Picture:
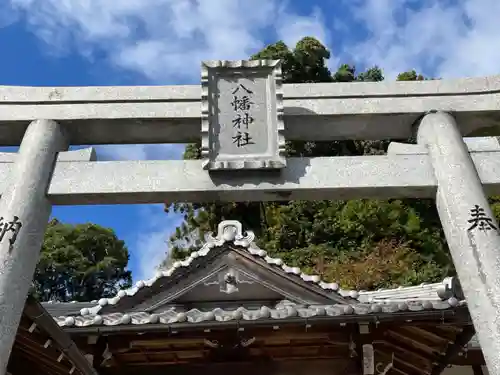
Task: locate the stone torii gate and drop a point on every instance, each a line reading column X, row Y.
column 243, row 132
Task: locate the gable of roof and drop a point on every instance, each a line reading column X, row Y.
column 232, row 261
column 242, row 259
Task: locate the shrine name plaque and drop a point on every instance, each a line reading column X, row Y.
column 242, row 115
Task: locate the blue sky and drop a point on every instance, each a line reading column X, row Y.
column 161, row 42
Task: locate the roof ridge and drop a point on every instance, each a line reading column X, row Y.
column 449, row 287
column 228, row 231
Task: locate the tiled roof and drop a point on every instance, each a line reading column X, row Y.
column 228, row 231
column 435, row 296
column 285, row 310
column 449, row 287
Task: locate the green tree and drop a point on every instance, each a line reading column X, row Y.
column 359, row 243
column 80, row 263
column 410, row 76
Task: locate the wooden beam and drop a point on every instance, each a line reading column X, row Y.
column 36, row 347
column 363, row 334
column 416, row 342
column 410, row 346
column 261, row 367
column 400, row 365
column 145, row 356
column 426, row 334
column 46, row 361
column 99, row 349
column 21, row 364
column 454, row 348
column 472, row 357
column 34, row 310
column 327, row 333
column 415, row 347
column 411, row 358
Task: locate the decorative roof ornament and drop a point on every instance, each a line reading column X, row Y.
column 230, row 231
column 229, row 282
column 451, row 288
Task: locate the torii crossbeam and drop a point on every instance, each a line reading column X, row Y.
column 45, row 121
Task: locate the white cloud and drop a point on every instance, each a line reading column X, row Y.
column 443, row 38
column 165, row 39
column 152, row 240
column 7, row 15
column 291, row 27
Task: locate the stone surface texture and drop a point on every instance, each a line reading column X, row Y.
column 25, row 197
column 126, row 182
column 242, row 115
column 84, row 154
column 472, row 235
column 439, row 166
column 317, row 111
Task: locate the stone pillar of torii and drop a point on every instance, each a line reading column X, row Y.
column 243, row 114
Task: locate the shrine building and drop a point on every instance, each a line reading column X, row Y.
column 231, row 308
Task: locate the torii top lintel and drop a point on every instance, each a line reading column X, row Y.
column 317, row 111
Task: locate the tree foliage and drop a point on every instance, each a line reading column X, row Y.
column 360, row 243
column 80, row 263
